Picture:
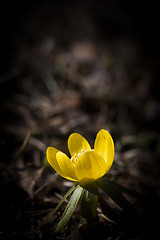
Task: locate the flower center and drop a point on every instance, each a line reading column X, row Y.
column 76, row 156
column 74, row 159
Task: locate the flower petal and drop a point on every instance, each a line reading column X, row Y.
column 66, row 165
column 90, row 166
column 76, row 143
column 51, row 157
column 104, row 146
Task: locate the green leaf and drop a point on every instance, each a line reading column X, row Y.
column 60, row 203
column 128, row 191
column 70, row 208
column 116, row 194
column 89, row 203
column 90, row 186
column 123, row 189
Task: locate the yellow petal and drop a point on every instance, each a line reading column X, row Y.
column 90, row 166
column 76, row 143
column 51, row 157
column 105, row 147
column 66, row 165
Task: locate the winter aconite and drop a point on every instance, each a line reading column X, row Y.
column 87, row 168
column 85, row 163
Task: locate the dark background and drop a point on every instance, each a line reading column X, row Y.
column 77, row 66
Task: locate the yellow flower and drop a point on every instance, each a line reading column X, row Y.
column 85, row 163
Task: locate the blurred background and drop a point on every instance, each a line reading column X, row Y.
column 76, row 66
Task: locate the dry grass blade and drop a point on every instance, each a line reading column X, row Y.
column 23, row 147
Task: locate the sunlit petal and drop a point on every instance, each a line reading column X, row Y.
column 66, row 165
column 51, row 157
column 105, row 147
column 76, row 143
column 90, row 166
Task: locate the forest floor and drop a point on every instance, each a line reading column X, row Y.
column 58, row 84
